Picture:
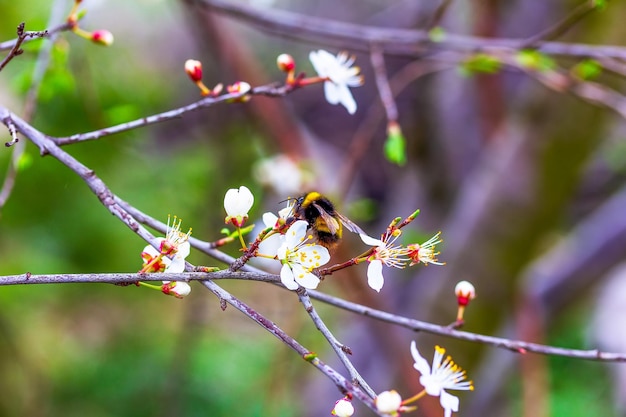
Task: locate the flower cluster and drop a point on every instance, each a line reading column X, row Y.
column 169, row 257
column 387, row 253
column 336, row 72
column 443, row 375
column 299, row 257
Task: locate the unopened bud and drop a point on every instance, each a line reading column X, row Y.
column 285, row 63
column 465, row 292
column 193, row 69
column 102, row 37
column 388, row 402
column 239, row 87
column 343, row 408
column 178, row 289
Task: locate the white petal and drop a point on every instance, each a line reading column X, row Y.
column 269, row 219
column 332, row 92
column 322, row 61
column 183, row 250
column 230, row 201
column 449, row 403
column 431, row 384
column 286, row 277
column 368, row 240
column 375, row 275
column 305, row 278
column 421, row 365
column 150, row 251
column 286, row 212
column 269, row 246
column 296, row 233
column 246, row 198
column 345, row 98
column 175, row 266
column 181, row 288
column 313, row 256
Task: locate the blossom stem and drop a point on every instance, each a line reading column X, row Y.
column 72, row 15
column 414, row 398
column 354, row 261
column 82, row 33
column 204, row 90
column 312, row 80
column 243, row 243
column 459, row 314
column 154, row 287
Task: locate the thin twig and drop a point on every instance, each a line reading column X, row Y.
column 29, row 36
column 126, row 277
column 439, row 13
column 394, row 41
column 8, row 122
column 382, row 83
column 43, row 60
column 97, row 186
column 563, row 26
column 340, row 349
column 270, row 90
column 344, row 385
column 516, row 346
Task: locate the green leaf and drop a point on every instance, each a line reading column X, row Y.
column 395, row 145
column 437, row 34
column 481, row 63
column 600, row 4
column 587, row 69
column 534, row 60
column 24, row 162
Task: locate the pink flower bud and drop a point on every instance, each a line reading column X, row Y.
column 465, row 292
column 102, row 37
column 193, row 69
column 285, row 62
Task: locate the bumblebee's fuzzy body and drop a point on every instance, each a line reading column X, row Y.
column 325, row 222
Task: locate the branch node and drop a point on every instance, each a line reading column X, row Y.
column 12, row 130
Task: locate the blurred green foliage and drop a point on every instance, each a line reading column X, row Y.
column 101, row 350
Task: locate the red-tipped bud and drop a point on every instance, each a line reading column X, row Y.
column 178, row 289
column 102, row 37
column 465, row 292
column 239, row 87
column 285, row 63
column 193, row 69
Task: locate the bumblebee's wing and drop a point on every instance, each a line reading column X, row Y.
column 331, row 222
column 350, row 225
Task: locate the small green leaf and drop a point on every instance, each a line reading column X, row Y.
column 534, row 60
column 481, row 63
column 600, row 4
column 437, row 34
column 25, row 161
column 587, row 69
column 395, row 145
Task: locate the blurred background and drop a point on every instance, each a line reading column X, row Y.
column 526, row 185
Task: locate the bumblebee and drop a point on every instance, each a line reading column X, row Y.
column 325, row 222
